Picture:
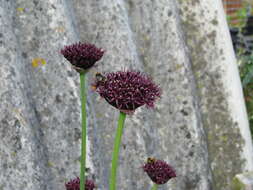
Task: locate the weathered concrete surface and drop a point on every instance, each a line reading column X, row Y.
column 243, row 181
column 218, row 86
column 196, row 126
column 39, row 142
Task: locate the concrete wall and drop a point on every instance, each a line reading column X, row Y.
column 199, row 126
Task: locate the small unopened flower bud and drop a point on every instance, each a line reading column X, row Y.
column 75, row 184
column 159, row 171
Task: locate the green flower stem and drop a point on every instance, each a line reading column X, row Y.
column 155, row 186
column 116, row 148
column 83, row 145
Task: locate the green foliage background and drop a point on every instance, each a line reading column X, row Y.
column 245, row 59
column 246, row 73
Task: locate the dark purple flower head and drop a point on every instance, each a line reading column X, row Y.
column 159, row 171
column 75, row 184
column 82, row 55
column 127, row 90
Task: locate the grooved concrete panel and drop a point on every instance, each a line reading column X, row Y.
column 199, row 125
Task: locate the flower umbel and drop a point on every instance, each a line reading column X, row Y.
column 127, row 90
column 82, row 55
column 159, row 171
column 75, row 184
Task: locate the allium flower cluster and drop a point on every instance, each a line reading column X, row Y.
column 159, row 171
column 128, row 90
column 82, row 55
column 75, row 184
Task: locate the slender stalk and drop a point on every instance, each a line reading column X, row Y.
column 83, row 145
column 155, row 186
column 115, row 155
